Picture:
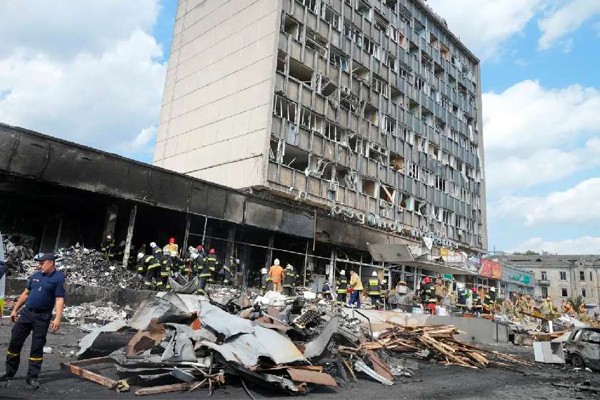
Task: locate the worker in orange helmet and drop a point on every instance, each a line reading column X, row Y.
column 172, row 246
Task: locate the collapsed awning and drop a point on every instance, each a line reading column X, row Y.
column 440, row 268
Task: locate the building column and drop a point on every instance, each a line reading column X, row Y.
column 230, row 250
column 110, row 222
column 269, row 260
column 58, row 233
column 129, row 238
column 186, row 235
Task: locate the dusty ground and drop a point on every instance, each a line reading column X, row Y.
column 432, row 381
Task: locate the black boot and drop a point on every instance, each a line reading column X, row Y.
column 32, row 383
column 6, row 376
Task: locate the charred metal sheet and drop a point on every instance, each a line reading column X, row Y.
column 234, row 208
column 317, row 346
column 360, row 366
column 222, row 322
column 341, row 232
column 155, row 308
column 247, row 349
column 262, row 216
column 297, row 224
column 89, row 340
column 390, row 252
column 304, row 375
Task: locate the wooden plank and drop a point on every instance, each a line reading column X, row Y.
column 176, row 387
column 90, row 376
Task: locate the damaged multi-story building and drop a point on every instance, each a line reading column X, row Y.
column 334, row 134
column 369, row 109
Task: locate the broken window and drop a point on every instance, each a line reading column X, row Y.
column 397, row 96
column 285, row 109
column 325, row 86
column 295, row 158
column 292, row 27
column 387, row 193
column 281, row 61
column 310, row 120
column 338, row 58
column 440, row 184
column 406, row 201
column 434, row 151
column 359, row 72
column 371, row 47
column 389, row 125
column 375, row 152
column 371, row 114
column 368, row 187
column 318, row 166
column 390, row 61
column 334, row 132
column 414, row 171
column 300, row 72
column 445, row 51
column 420, row 207
column 353, row 33
column 381, row 23
column 363, row 8
column 347, row 100
column 311, row 5
column 396, row 162
column 330, row 16
column 380, row 86
column 316, row 43
column 276, row 151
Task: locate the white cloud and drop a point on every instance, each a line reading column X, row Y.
column 535, row 135
column 577, row 205
column 581, row 245
column 144, row 137
column 90, row 74
column 484, row 25
column 563, row 20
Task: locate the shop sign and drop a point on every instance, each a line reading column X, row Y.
column 490, row 269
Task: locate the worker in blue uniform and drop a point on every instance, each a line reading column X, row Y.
column 45, row 292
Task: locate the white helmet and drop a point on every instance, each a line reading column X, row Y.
column 374, row 274
column 263, row 271
column 289, row 266
column 276, row 262
column 140, row 255
column 152, row 244
column 492, row 289
column 342, row 272
column 191, row 249
column 108, row 237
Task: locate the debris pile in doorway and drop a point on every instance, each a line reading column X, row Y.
column 18, row 255
column 182, row 342
column 90, row 267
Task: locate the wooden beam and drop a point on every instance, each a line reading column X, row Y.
column 176, row 387
column 89, row 375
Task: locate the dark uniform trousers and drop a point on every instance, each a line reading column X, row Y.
column 28, row 321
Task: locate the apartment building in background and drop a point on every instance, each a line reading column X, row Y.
column 367, row 110
column 561, row 276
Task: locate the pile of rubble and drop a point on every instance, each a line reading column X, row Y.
column 92, row 268
column 95, row 312
column 182, row 342
column 18, row 255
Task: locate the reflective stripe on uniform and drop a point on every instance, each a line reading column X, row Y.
column 36, row 359
column 12, row 354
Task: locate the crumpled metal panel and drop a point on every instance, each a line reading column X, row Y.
column 180, row 348
column 223, row 322
column 246, row 349
column 154, row 307
column 390, row 252
column 317, row 346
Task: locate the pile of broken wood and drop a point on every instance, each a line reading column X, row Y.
column 438, row 342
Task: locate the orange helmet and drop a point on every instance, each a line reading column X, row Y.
column 211, row 251
column 474, row 290
column 171, row 240
column 427, row 279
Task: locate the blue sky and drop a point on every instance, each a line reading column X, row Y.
column 98, row 80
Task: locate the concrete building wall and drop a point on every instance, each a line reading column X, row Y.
column 218, row 92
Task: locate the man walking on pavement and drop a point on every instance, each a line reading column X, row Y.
column 357, row 287
column 276, row 274
column 374, row 290
column 45, row 291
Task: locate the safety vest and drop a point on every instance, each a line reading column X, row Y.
column 476, row 300
column 211, row 262
column 290, row 278
column 431, row 294
column 374, row 289
column 150, row 262
column 342, row 285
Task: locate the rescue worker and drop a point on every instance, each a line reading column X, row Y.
column 204, row 274
column 440, row 291
column 341, row 287
column 156, row 252
column 547, row 308
column 477, row 306
column 172, row 246
column 189, row 265
column 374, row 290
column 151, row 267
column 264, row 276
column 225, row 273
column 108, row 247
column 165, row 272
column 289, row 280
column 508, row 308
column 45, row 291
column 276, row 273
column 462, row 299
column 325, row 289
column 489, row 301
column 212, row 263
column 432, row 299
column 356, row 286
